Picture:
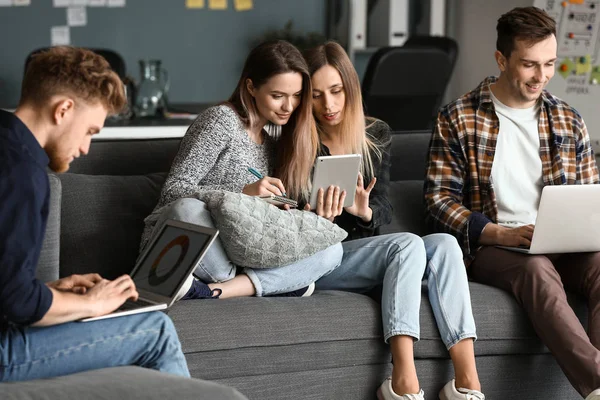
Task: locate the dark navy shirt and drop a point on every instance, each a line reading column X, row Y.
column 24, row 204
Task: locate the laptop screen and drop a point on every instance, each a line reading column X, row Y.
column 167, row 263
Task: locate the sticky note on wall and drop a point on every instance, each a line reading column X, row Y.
column 60, row 36
column 566, row 67
column 217, row 4
column 595, row 75
column 243, row 5
column 584, row 65
column 194, row 3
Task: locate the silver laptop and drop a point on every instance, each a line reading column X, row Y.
column 568, row 221
column 164, row 267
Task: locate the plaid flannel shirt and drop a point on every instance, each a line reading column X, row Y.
column 459, row 196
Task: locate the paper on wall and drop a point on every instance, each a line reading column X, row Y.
column 60, row 36
column 79, row 2
column 243, row 5
column 97, row 3
column 5, row 3
column 217, row 4
column 61, row 3
column 76, row 16
column 194, row 4
column 21, row 2
column 116, row 3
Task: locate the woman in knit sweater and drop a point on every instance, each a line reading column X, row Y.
column 217, row 150
column 399, row 261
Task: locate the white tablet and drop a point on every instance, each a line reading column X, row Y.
column 339, row 171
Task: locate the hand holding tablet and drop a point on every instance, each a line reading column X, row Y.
column 341, row 171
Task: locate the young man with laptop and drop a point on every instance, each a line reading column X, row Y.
column 66, row 95
column 492, row 153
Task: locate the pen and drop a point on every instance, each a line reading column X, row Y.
column 258, row 175
column 255, row 173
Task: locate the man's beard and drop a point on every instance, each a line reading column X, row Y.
column 57, row 163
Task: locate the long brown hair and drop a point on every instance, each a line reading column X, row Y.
column 354, row 138
column 297, row 147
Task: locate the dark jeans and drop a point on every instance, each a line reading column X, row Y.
column 537, row 282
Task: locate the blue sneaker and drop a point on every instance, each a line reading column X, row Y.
column 302, row 292
column 200, row 290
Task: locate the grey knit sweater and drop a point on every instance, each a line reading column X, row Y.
column 215, row 153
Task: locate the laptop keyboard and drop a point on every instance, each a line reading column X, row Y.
column 131, row 305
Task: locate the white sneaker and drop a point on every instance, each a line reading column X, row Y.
column 385, row 392
column 449, row 392
column 595, row 395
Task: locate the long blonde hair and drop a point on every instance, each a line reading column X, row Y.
column 297, row 147
column 353, row 126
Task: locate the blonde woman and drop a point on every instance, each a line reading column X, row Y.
column 216, row 152
column 399, row 261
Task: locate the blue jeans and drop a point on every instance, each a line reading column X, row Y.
column 215, row 266
column 400, row 261
column 147, row 340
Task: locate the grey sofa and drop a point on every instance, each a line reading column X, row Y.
column 328, row 346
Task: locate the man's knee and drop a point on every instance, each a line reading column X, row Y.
column 537, row 274
column 164, row 322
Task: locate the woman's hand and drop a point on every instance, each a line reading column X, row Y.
column 361, row 208
column 265, row 187
column 329, row 205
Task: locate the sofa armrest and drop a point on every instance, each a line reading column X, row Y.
column 117, row 383
column 49, row 262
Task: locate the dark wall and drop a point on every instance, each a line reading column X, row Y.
column 202, row 49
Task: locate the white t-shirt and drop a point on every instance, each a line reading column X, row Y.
column 517, row 167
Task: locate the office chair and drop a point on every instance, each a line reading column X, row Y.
column 114, row 59
column 404, row 86
column 439, row 42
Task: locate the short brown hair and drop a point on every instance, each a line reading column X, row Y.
column 531, row 24
column 73, row 71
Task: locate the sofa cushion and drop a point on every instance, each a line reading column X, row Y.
column 409, row 155
column 127, row 157
column 406, row 198
column 48, row 264
column 334, row 329
column 117, row 383
column 277, row 335
column 102, row 221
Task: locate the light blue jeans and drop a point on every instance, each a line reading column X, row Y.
column 400, row 261
column 147, row 340
column 215, row 266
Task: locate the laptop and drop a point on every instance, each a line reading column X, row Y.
column 568, row 221
column 169, row 259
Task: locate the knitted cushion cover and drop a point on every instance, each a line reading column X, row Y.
column 257, row 234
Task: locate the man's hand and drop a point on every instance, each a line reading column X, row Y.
column 330, row 205
column 496, row 235
column 76, row 283
column 265, row 187
column 106, row 296
column 101, row 297
column 361, row 208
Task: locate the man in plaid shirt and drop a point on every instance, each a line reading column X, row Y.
column 492, row 152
